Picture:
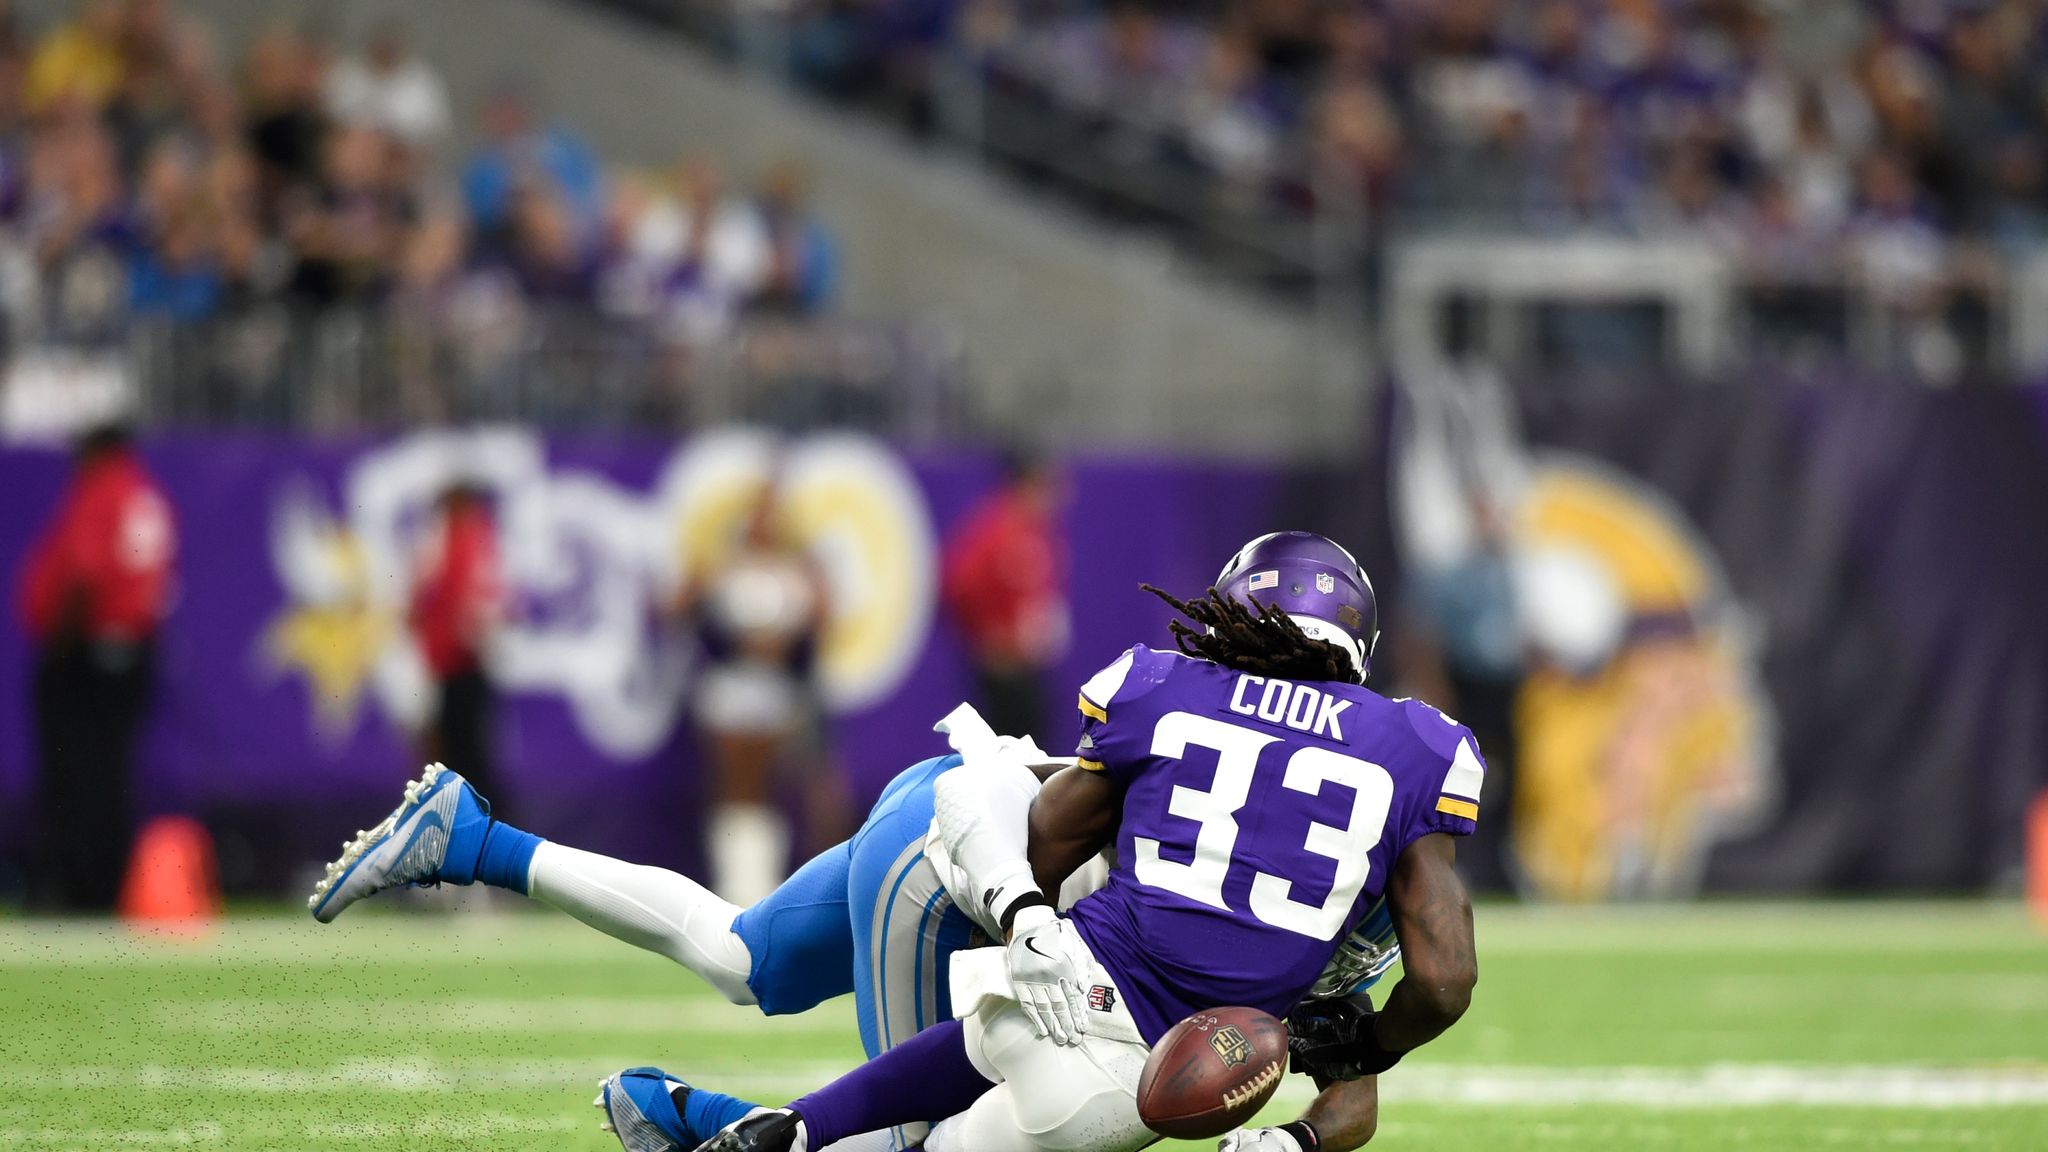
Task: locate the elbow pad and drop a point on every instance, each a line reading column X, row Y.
column 982, row 817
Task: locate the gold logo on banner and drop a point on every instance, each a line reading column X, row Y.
column 1631, row 764
column 849, row 502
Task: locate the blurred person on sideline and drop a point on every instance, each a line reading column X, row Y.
column 1468, row 651
column 759, row 609
column 457, row 602
column 94, row 591
column 1005, row 582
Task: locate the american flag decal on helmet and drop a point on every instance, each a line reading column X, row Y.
column 1264, row 580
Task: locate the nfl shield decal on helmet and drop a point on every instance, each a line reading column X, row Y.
column 1325, row 583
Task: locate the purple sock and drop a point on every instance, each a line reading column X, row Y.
column 927, row 1077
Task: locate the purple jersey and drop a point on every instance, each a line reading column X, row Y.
column 1261, row 818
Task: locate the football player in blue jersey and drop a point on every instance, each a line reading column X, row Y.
column 871, row 916
column 1261, row 803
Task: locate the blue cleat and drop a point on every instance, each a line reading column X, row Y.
column 642, row 1108
column 436, row 834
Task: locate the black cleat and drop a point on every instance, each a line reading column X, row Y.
column 761, row 1132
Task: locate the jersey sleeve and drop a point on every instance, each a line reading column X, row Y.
column 1116, row 735
column 1456, row 771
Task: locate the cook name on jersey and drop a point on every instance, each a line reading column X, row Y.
column 1261, row 818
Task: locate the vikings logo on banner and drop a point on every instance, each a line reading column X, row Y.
column 1642, row 734
column 1626, row 698
column 591, row 567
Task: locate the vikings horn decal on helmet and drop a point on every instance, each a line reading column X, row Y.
column 1316, row 582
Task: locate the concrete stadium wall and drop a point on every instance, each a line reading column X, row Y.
column 1074, row 331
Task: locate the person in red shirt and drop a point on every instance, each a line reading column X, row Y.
column 1005, row 582
column 93, row 592
column 457, row 601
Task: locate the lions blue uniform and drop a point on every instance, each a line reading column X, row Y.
column 1260, row 820
column 868, row 917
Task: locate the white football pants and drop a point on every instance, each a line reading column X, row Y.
column 1048, row 1097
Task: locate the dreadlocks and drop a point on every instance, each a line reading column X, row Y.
column 1257, row 638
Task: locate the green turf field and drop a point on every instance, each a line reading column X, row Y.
column 1783, row 1026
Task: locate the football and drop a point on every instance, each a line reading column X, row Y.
column 1212, row 1072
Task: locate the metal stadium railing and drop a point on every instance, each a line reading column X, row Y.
column 346, row 370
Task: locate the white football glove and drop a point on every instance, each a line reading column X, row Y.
column 1259, row 1140
column 1048, row 963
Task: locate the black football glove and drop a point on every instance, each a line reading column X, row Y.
column 1332, row 1039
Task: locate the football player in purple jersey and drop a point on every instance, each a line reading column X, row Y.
column 1261, row 802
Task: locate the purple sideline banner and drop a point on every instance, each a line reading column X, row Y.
column 285, row 684
column 1779, row 634
column 1808, row 646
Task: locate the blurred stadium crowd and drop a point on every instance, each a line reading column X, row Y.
column 1873, row 171
column 241, row 221
column 1898, row 117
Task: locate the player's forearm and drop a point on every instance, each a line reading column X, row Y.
column 1417, row 1012
column 1345, row 1115
column 1439, row 962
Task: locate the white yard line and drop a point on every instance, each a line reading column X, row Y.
column 1720, row 1086
column 695, row 1018
column 1901, row 927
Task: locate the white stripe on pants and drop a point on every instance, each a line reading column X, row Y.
column 903, row 957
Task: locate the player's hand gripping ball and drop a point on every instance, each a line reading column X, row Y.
column 1212, row 1072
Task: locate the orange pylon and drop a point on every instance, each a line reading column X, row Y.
column 171, row 877
column 2037, row 856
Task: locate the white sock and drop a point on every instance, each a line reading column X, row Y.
column 749, row 845
column 652, row 908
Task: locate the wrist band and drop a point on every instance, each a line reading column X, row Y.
column 1008, row 915
column 1304, row 1134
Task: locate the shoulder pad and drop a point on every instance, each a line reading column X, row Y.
column 1438, row 732
column 1452, row 745
column 1138, row 671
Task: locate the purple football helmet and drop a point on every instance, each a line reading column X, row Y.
column 1316, row 582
